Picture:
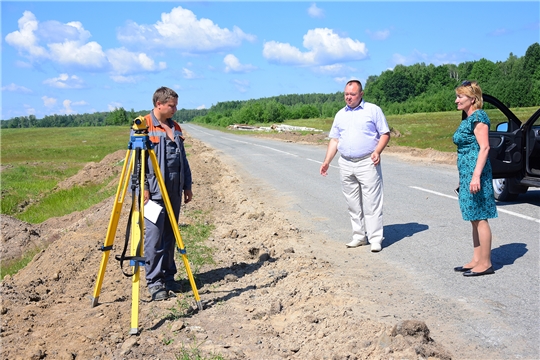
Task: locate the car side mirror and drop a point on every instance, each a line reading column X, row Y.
column 502, row 127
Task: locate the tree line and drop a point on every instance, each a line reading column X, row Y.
column 404, row 89
column 118, row 116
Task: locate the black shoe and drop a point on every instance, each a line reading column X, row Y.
column 461, row 269
column 486, row 272
column 173, row 286
column 158, row 293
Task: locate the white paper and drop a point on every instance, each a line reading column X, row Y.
column 152, row 210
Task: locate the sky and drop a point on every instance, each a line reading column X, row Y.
column 75, row 57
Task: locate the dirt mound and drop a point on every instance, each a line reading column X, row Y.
column 270, row 295
column 18, row 237
column 95, row 173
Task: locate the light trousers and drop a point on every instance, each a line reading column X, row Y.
column 362, row 185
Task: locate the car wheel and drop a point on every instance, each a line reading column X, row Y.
column 501, row 191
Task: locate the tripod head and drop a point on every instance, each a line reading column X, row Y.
column 139, row 125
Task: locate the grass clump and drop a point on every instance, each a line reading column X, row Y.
column 194, row 236
column 13, row 267
column 64, row 202
column 193, row 353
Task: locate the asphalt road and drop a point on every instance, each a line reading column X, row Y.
column 425, row 236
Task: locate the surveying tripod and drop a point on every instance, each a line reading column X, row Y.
column 134, row 164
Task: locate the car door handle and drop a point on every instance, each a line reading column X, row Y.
column 500, row 142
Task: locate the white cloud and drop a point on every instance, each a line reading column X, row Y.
column 55, row 32
column 64, row 81
column 67, row 107
column 188, row 74
column 131, row 79
column 201, row 107
column 16, row 88
column 30, row 110
column 124, row 61
column 68, row 45
column 89, row 56
column 315, row 12
column 324, row 48
column 232, row 64
column 341, row 80
column 23, row 64
column 241, row 85
column 25, row 39
column 180, row 29
column 334, row 69
column 48, row 101
column 500, row 32
column 114, row 105
column 398, row 59
column 436, row 59
column 378, row 35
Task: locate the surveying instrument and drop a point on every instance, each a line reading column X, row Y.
column 134, row 164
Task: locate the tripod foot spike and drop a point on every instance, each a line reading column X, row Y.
column 200, row 305
column 134, row 331
column 94, row 301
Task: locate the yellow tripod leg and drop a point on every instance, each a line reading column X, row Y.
column 135, row 235
column 113, row 224
column 176, row 231
column 137, row 246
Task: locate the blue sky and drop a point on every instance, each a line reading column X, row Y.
column 88, row 56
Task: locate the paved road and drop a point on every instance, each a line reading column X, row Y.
column 425, row 236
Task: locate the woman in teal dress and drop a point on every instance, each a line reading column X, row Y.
column 476, row 199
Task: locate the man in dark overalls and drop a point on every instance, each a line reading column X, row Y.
column 159, row 243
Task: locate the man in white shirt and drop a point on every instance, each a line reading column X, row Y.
column 360, row 133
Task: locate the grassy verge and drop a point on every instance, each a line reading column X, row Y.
column 64, row 202
column 34, row 161
column 422, row 130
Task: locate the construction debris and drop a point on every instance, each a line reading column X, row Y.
column 274, row 127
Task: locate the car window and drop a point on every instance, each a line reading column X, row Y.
column 496, row 117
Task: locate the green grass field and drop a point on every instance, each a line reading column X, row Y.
column 35, row 160
column 423, row 130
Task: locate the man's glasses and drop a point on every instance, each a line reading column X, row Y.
column 466, row 83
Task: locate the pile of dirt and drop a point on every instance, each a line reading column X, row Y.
column 95, row 173
column 270, row 295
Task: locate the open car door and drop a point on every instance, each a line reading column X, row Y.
column 531, row 130
column 506, row 139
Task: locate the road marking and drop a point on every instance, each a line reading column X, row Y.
column 498, row 208
column 413, row 187
column 250, row 143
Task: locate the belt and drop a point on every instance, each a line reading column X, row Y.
column 356, row 159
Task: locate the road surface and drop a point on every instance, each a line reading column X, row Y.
column 425, row 237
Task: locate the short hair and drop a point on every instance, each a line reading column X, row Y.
column 356, row 82
column 472, row 90
column 164, row 94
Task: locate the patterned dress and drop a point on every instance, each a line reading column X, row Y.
column 479, row 206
